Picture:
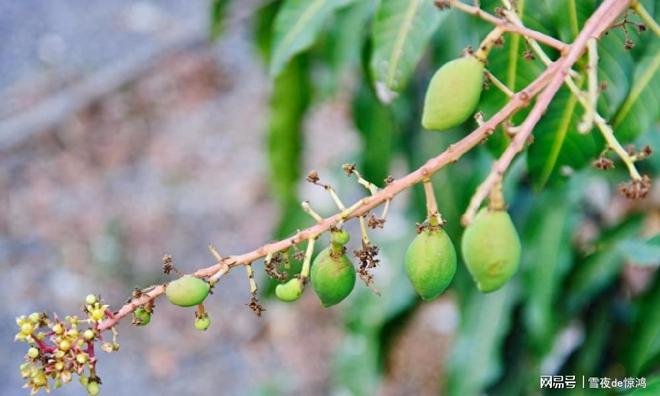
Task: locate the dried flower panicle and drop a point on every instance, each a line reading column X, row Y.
column 603, row 163
column 349, row 169
column 273, row 267
column 168, row 265
column 255, row 306
column 374, row 222
column 368, row 261
column 313, row 177
column 636, row 188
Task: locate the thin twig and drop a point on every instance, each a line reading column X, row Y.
column 499, row 84
column 513, row 18
column 592, row 93
column 432, row 212
column 603, row 126
column 510, row 27
column 308, row 209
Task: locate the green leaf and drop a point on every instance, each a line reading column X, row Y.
column 264, row 19
column 546, row 258
column 645, row 332
column 598, row 270
column 297, row 25
column 643, row 252
column 642, row 106
column 557, row 143
column 377, row 127
column 652, row 388
column 587, row 359
column 344, row 41
column 476, row 359
column 288, row 103
column 615, row 69
column 401, row 32
column 569, row 16
column 218, row 11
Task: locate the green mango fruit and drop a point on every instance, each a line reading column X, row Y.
column 93, row 388
column 340, row 237
column 491, row 249
column 187, row 291
column 290, row 291
column 141, row 317
column 453, row 93
column 430, row 263
column 333, row 276
column 202, row 323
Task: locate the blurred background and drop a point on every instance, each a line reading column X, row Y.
column 134, row 129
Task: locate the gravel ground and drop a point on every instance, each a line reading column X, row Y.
column 172, row 162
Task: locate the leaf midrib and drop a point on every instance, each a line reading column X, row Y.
column 559, row 140
column 513, row 52
column 397, row 49
column 301, row 22
column 636, row 91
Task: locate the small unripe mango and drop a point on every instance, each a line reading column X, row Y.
column 431, row 263
column 289, row 291
column 141, row 316
column 93, row 388
column 203, row 322
column 453, row 93
column 333, row 276
column 187, row 291
column 491, row 249
column 340, row 237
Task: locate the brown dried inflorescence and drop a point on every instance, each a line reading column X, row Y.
column 442, row 4
column 255, row 306
column 375, row 222
column 636, row 188
column 272, row 267
column 603, row 163
column 349, row 169
column 168, row 264
column 368, row 260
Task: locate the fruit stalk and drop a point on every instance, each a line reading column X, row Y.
column 432, row 213
column 304, row 273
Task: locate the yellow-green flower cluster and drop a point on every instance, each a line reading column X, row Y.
column 58, row 349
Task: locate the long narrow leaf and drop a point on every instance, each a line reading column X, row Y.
column 401, row 32
column 297, row 26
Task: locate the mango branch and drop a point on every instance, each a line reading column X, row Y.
column 639, row 185
column 596, row 25
column 553, row 76
column 361, row 207
column 603, row 17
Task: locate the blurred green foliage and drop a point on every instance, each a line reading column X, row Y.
column 390, row 48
